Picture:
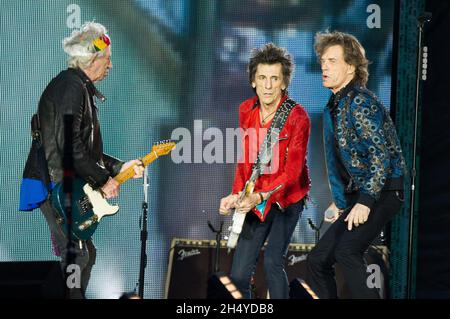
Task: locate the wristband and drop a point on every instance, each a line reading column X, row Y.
column 261, row 197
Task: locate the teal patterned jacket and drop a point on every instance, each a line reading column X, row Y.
column 362, row 136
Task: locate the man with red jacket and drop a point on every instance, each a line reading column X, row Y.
column 279, row 194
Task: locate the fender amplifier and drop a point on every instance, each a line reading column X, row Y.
column 191, row 264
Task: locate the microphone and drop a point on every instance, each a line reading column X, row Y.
column 330, row 214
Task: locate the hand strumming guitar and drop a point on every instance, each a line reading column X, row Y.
column 227, row 203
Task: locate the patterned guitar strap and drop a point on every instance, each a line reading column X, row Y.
column 264, row 158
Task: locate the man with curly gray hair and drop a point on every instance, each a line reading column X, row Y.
column 72, row 92
column 89, row 49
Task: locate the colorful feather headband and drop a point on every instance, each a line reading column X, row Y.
column 102, row 43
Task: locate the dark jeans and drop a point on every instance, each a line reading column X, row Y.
column 346, row 247
column 84, row 256
column 277, row 229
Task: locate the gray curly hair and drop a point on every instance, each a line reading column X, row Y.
column 79, row 45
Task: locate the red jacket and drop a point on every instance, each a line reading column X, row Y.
column 292, row 173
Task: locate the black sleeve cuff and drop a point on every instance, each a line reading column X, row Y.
column 112, row 164
column 366, row 200
column 98, row 181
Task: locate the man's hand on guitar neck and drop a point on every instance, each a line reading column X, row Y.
column 137, row 166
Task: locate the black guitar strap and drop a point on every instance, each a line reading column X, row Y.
column 38, row 150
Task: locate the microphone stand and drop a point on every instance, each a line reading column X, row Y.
column 68, row 186
column 316, row 229
column 218, row 235
column 144, row 235
column 421, row 74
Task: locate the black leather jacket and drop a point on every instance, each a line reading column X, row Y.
column 72, row 92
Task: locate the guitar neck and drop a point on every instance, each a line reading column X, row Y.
column 129, row 172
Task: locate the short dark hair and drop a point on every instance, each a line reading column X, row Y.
column 354, row 53
column 271, row 54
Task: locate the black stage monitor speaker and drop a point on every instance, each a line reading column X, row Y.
column 220, row 286
column 31, row 280
column 299, row 289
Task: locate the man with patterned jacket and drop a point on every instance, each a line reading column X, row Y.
column 365, row 168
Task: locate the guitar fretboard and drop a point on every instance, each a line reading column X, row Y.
column 129, row 172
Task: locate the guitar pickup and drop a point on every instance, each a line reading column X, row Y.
column 84, row 205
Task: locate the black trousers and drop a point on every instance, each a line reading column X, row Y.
column 339, row 245
column 277, row 229
column 85, row 253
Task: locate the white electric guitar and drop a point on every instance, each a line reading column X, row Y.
column 238, row 217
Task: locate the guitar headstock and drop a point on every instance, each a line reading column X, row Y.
column 163, row 147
